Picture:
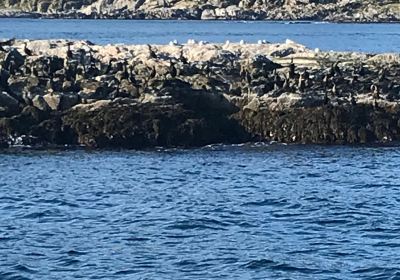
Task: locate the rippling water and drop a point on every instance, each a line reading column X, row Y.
column 342, row 37
column 272, row 212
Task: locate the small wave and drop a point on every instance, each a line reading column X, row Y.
column 68, row 261
column 199, row 224
column 269, row 264
column 76, row 253
column 24, row 268
column 267, row 202
column 126, row 272
column 36, row 215
column 136, row 239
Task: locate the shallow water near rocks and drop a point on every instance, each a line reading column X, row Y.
column 374, row 38
column 221, row 212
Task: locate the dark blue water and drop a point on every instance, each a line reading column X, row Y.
column 274, row 212
column 342, row 37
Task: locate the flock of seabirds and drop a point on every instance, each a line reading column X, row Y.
column 332, row 82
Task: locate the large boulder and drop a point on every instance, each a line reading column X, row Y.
column 8, row 103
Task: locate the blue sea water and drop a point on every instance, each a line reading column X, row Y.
column 222, row 212
column 326, row 36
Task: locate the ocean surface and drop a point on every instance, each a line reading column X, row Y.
column 221, row 212
column 373, row 38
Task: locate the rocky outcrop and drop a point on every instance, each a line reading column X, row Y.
column 77, row 93
column 320, row 10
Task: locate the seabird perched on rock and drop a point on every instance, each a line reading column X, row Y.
column 82, row 56
column 242, row 42
column 172, row 69
column 152, row 54
column 153, row 73
column 301, row 84
column 173, row 43
column 334, row 90
column 375, row 91
column 326, row 98
column 292, row 69
column 7, row 42
column 69, row 52
column 381, row 75
column 27, row 51
column 277, row 80
column 353, row 100
column 336, row 69
column 325, row 80
column 361, row 71
column 182, row 58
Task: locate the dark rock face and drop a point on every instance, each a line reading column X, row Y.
column 63, row 93
column 329, row 10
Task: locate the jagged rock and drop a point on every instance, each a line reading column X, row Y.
column 40, row 103
column 8, row 103
column 335, row 10
column 53, row 100
column 197, row 94
column 68, row 101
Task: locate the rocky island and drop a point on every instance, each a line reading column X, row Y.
column 316, row 10
column 193, row 94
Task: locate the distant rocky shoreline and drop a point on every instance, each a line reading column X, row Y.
column 281, row 10
column 194, row 94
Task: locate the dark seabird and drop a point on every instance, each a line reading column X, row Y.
column 301, row 84
column 381, row 75
column 151, row 52
column 292, row 70
column 375, row 91
column 248, row 77
column 334, row 90
column 153, row 73
column 82, row 56
column 336, row 69
column 278, row 80
column 69, row 52
column 353, row 100
column 27, row 51
column 326, row 81
column 361, row 71
column 8, row 42
column 182, row 58
column 285, row 85
column 326, row 98
column 172, row 69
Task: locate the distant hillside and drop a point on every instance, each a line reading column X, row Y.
column 329, row 10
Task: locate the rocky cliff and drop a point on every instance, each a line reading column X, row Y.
column 323, row 10
column 77, row 93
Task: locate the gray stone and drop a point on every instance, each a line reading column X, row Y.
column 40, row 103
column 53, row 100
